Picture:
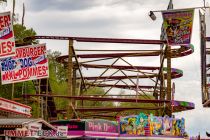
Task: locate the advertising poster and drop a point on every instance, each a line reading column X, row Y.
column 178, row 26
column 7, row 41
column 150, row 125
column 29, row 63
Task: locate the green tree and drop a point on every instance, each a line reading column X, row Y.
column 96, row 91
column 57, row 80
column 140, row 105
column 21, row 32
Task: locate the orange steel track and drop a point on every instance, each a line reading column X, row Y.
column 177, row 106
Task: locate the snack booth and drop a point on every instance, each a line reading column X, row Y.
column 94, row 129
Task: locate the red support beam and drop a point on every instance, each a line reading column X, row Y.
column 120, row 86
column 120, row 77
column 101, row 40
column 134, row 100
column 114, row 109
column 120, row 67
column 116, row 55
column 99, row 115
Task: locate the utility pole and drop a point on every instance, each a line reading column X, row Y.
column 13, row 11
column 168, row 111
column 23, row 14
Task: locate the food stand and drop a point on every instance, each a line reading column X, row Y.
column 89, row 128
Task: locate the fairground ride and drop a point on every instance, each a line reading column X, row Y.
column 110, row 69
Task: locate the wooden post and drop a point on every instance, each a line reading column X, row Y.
column 162, row 55
column 13, row 11
column 23, row 14
column 74, row 82
column 46, row 100
column 169, row 80
column 39, row 92
column 162, row 87
column 70, row 69
column 168, row 52
column 13, row 89
column 80, row 93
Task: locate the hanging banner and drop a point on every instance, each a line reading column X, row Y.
column 29, row 63
column 7, row 41
column 178, row 26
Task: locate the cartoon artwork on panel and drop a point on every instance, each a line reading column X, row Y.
column 143, row 124
column 151, row 123
column 128, row 125
column 178, row 127
column 173, row 130
column 167, row 126
column 157, row 126
column 182, row 126
column 131, row 126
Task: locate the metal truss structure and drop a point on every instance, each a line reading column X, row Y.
column 150, row 84
column 205, row 63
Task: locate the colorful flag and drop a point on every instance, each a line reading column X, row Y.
column 178, row 26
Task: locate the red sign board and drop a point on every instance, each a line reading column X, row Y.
column 7, row 41
column 29, row 63
column 14, row 107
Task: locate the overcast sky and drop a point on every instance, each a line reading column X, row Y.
column 121, row 19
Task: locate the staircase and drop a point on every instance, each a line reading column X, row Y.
column 49, row 109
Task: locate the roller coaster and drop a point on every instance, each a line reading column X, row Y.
column 113, row 75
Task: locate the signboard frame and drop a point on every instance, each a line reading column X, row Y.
column 29, row 63
column 7, row 40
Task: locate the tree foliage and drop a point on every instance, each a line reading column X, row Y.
column 96, row 91
column 22, row 32
column 140, row 105
column 57, row 79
